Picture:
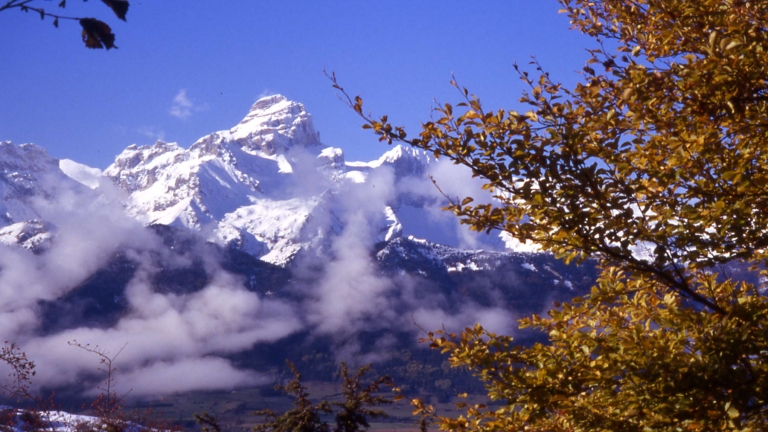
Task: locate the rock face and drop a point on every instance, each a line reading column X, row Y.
column 234, row 184
column 34, row 235
column 27, row 172
column 274, row 125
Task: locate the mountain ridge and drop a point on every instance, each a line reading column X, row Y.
column 267, row 185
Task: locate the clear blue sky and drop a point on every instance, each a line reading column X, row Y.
column 88, row 105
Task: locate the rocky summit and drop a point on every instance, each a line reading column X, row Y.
column 266, row 186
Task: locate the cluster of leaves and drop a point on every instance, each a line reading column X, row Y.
column 351, row 415
column 656, row 165
column 95, row 34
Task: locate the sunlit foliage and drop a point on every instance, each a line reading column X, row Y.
column 656, row 164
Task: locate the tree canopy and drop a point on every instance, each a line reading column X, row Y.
column 655, row 164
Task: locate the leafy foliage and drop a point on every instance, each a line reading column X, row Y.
column 96, row 33
column 352, row 415
column 629, row 357
column 656, row 165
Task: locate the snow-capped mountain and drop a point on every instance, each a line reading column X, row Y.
column 273, row 125
column 250, row 236
column 266, row 186
column 29, row 177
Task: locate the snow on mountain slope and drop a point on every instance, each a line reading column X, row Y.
column 21, row 420
column 28, row 174
column 274, row 125
column 171, row 185
column 34, row 235
column 269, row 187
column 276, row 230
column 240, row 186
column 404, row 160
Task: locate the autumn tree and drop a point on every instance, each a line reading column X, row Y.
column 95, row 33
column 655, row 164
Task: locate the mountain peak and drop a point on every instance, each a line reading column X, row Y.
column 268, row 102
column 25, row 157
column 404, row 160
column 274, row 124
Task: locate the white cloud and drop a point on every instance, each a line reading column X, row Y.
column 170, row 336
column 351, row 294
column 192, row 374
column 183, row 107
column 167, row 337
column 493, row 319
column 430, row 221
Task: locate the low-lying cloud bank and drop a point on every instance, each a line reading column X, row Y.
column 176, row 342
